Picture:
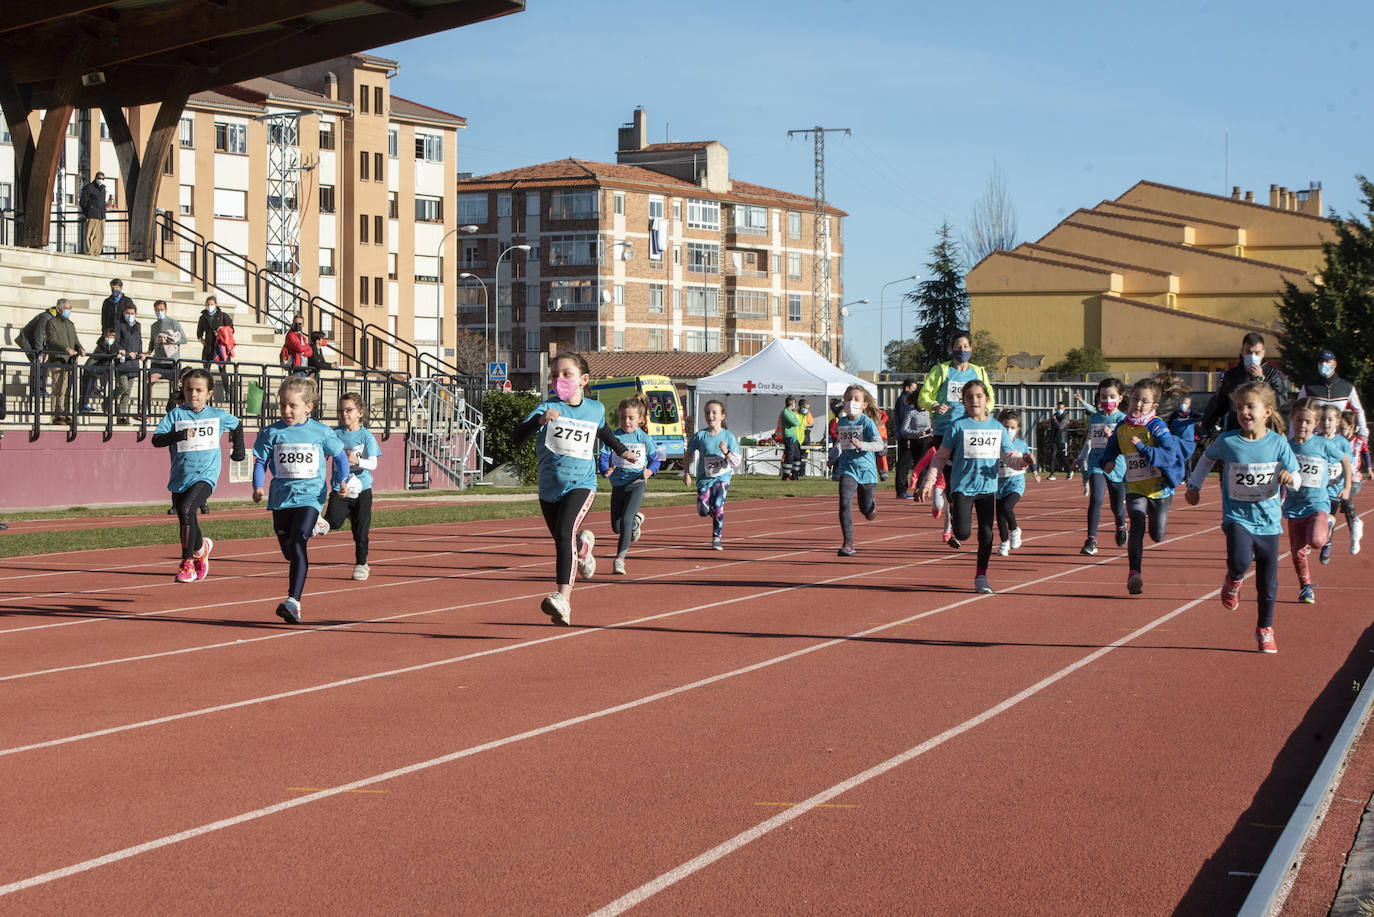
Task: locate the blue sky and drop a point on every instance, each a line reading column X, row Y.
column 1074, row 102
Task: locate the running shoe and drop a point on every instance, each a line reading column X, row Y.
column 953, row 542
column 1070, row 477
column 187, row 573
column 1004, row 548
column 846, row 550
column 638, row 527
column 1089, row 547
column 557, row 608
column 1050, row 478
column 980, row 585
column 716, row 545
column 201, row 561
column 1325, row 556
column 1015, row 539
column 1121, row 535
column 1308, row 594
column 1356, row 533
column 361, row 571
column 1134, row 584
column 321, row 527
column 290, row 611
column 586, row 560
column 1230, row 593
column 618, row 566
column 1264, row 636
column 874, row 515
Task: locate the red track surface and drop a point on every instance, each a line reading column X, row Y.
column 771, row 729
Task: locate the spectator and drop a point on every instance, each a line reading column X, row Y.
column 33, row 340
column 808, row 421
column 1330, row 389
column 296, row 352
column 92, row 206
column 914, row 435
column 212, row 318
column 1251, row 368
column 112, row 309
column 99, row 370
column 1183, row 425
column 166, row 338
column 941, row 391
column 790, row 428
column 128, row 360
column 318, row 343
column 1059, row 439
column 63, row 349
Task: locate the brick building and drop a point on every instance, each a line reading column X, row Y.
column 660, row 251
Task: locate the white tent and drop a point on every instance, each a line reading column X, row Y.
column 753, row 392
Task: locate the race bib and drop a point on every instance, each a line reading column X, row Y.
column 715, row 465
column 848, row 437
column 1314, row 471
column 201, row 435
column 1005, row 472
column 954, row 391
column 1101, row 432
column 634, row 457
column 1137, row 469
column 982, row 444
column 296, row 461
column 1333, row 474
column 1253, row 482
column 571, row 437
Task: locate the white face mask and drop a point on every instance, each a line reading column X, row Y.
column 1327, row 370
column 109, row 342
column 853, row 408
column 210, row 310
column 162, row 316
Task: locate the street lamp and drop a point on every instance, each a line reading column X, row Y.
column 496, row 313
column 881, row 306
column 486, row 312
column 844, row 314
column 439, row 288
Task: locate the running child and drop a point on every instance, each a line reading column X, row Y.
column 1011, row 485
column 294, row 450
column 1154, row 465
column 1343, row 435
column 717, row 456
column 1255, row 461
column 1103, row 477
column 363, row 452
column 191, row 430
column 1359, row 447
column 571, row 425
column 858, row 439
column 937, row 500
column 1306, row 508
column 629, row 475
column 972, row 446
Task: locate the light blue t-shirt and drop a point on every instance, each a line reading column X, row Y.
column 712, row 468
column 1100, row 427
column 1249, row 478
column 975, row 448
column 567, row 447
column 1317, row 458
column 360, row 440
column 295, row 455
column 197, row 457
column 631, row 467
column 1009, row 480
column 1337, row 480
column 860, row 465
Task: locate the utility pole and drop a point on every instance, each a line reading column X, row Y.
column 820, row 238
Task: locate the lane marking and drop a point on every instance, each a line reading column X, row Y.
column 828, row 805
column 316, row 789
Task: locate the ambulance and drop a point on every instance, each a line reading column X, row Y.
column 664, row 423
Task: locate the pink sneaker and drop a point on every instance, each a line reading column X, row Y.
column 1230, row 593
column 1264, row 636
column 201, row 561
column 187, row 573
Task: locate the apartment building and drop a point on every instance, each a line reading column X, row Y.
column 660, row 251
column 319, row 174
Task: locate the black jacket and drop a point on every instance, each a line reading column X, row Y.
column 208, row 327
column 1221, row 410
column 92, row 202
column 128, row 338
column 112, row 313
column 35, row 333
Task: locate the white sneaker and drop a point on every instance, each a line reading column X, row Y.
column 1004, row 548
column 321, row 527
column 1015, row 539
column 639, row 524
column 980, row 584
column 586, row 561
column 557, row 608
column 361, row 571
column 1356, row 533
column 618, row 566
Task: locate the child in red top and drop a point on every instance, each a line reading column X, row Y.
column 937, row 500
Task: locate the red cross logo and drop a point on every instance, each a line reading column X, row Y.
column 750, row 386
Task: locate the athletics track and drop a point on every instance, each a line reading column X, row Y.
column 767, row 730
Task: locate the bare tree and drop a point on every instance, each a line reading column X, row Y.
column 470, row 351
column 992, row 223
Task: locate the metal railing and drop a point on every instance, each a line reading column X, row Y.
column 446, row 432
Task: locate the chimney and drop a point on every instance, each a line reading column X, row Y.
column 1249, row 197
column 331, row 86
column 1314, row 199
column 1273, row 195
column 1285, row 202
column 635, row 135
column 1235, row 192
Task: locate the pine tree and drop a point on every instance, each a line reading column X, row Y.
column 941, row 301
column 1337, row 312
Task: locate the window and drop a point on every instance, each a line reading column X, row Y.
column 364, row 167
column 777, row 306
column 503, row 205
column 572, row 249
column 794, row 307
column 677, row 254
column 794, row 265
column 326, row 198
column 169, row 161
column 364, row 97
column 472, row 256
column 472, row 208
column 575, row 295
column 677, row 210
column 703, row 258
column 655, row 208
column 531, row 341
column 231, row 138
column 230, row 204
column 186, row 133
column 677, row 301
column 746, row 345
column 751, row 220
column 378, row 170
column 655, row 299
column 427, row 269
column 655, row 338
column 429, row 147
column 363, row 290
column 703, row 214
column 362, row 228
column 378, row 233
column 620, row 203
column 390, row 265
column 582, row 339
column 696, row 340
column 393, row 206
column 378, row 106
column 702, row 301
column 618, row 341
column 751, row 304
column 288, row 132
column 104, row 130
column 574, row 205
column 777, row 262
column 377, row 287
column 326, row 135
column 429, row 209
column 186, row 204
column 619, row 294
column 290, row 203
column 393, row 143
column 794, row 224
column 326, row 262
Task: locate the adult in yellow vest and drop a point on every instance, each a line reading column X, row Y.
column 941, row 392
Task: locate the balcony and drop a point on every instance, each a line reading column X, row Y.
column 732, row 271
column 569, row 213
column 473, row 264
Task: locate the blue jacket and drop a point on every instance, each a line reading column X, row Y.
column 1168, row 456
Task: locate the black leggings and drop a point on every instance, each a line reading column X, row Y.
column 625, row 501
column 1116, row 490
column 961, row 507
column 293, row 527
column 358, row 512
column 848, row 488
column 1244, row 547
column 1145, row 512
column 1006, row 515
column 563, row 517
column 186, row 503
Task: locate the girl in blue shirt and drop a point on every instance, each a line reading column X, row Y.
column 1100, row 477
column 294, row 449
column 717, row 456
column 858, row 439
column 1255, row 461
column 1306, row 509
column 972, row 446
column 363, row 452
column 629, row 475
column 191, row 430
column 1011, row 484
column 1338, row 493
column 569, row 426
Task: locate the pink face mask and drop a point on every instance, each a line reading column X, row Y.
column 565, row 388
column 1107, row 405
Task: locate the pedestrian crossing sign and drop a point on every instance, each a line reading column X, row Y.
column 496, row 372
